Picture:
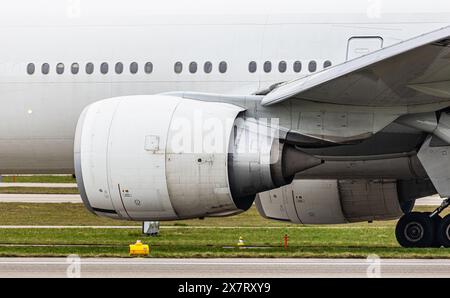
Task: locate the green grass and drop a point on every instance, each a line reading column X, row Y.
column 39, row 179
column 53, row 215
column 38, row 190
column 184, row 242
column 77, row 215
column 67, row 214
column 194, row 238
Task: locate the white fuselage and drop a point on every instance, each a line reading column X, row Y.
column 39, row 111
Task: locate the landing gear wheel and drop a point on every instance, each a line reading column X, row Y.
column 415, row 229
column 443, row 233
column 437, row 220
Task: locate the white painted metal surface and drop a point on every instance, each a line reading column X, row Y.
column 91, row 150
column 137, row 177
column 156, row 166
column 203, row 164
column 304, row 202
column 299, row 86
column 436, row 161
column 331, row 202
column 317, row 202
column 41, row 111
column 361, row 46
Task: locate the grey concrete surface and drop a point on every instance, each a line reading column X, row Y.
column 47, row 185
column 39, row 198
column 429, row 201
column 227, row 268
column 68, row 227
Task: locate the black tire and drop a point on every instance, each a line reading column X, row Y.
column 415, row 229
column 437, row 221
column 443, row 234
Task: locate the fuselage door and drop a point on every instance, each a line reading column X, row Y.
column 360, row 46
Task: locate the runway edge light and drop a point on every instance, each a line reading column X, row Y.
column 139, row 249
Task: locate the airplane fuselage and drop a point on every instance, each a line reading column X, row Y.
column 137, row 49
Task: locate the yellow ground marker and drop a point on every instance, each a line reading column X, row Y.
column 139, row 249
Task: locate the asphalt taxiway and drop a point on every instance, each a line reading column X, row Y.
column 225, row 268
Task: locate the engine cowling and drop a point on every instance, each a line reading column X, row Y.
column 332, row 201
column 165, row 158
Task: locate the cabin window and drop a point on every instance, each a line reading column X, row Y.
column 134, row 67
column 104, row 68
column 31, row 68
column 327, row 64
column 193, row 67
column 282, row 66
column 297, row 66
column 119, row 68
column 267, row 66
column 148, row 68
column 89, row 68
column 60, row 68
column 178, row 67
column 75, row 68
column 312, row 67
column 223, row 66
column 252, row 67
column 207, row 67
column 45, row 68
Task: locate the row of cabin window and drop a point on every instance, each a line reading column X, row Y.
column 119, row 68
column 89, row 68
column 178, row 67
column 252, row 67
column 283, row 66
column 207, row 67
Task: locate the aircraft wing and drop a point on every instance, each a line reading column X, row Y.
column 413, row 72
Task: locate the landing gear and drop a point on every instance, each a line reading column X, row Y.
column 437, row 221
column 415, row 230
column 443, row 234
column 426, row 229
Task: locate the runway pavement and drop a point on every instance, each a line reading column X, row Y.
column 225, row 268
column 39, row 198
column 429, row 201
column 48, row 185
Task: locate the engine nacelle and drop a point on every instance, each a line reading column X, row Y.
column 332, row 201
column 166, row 158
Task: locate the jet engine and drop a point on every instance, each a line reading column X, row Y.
column 164, row 157
column 341, row 201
